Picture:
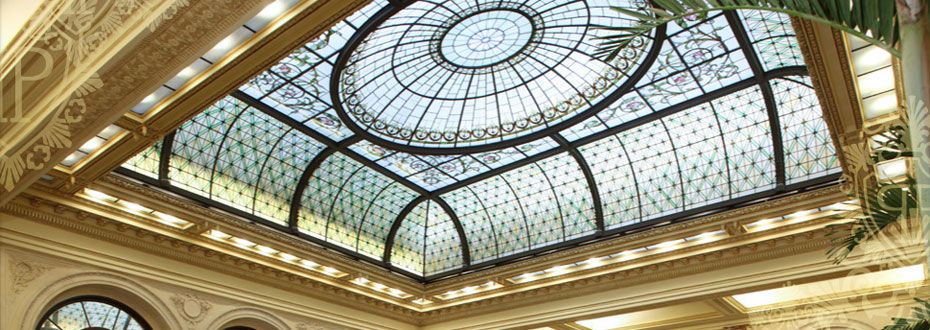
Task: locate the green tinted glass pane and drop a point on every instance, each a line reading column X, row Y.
column 809, row 150
column 147, row 161
column 773, row 38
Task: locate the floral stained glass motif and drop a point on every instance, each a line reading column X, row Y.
column 475, row 132
column 697, row 58
column 447, row 74
column 298, row 85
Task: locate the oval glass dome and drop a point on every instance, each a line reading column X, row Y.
column 481, row 74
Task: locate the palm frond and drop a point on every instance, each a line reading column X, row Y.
column 874, row 21
column 919, row 320
column 891, row 144
column 882, row 207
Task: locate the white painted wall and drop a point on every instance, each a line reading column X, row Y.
column 13, row 15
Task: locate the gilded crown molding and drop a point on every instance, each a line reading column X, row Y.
column 64, row 212
column 120, row 47
column 125, row 187
column 754, row 252
column 844, row 122
column 226, row 221
column 79, row 221
column 260, row 52
column 38, row 23
column 51, row 79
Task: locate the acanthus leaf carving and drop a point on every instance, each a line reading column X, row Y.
column 24, row 272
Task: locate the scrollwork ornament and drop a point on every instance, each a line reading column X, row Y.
column 917, row 112
column 822, row 313
column 25, row 272
column 192, row 308
column 78, row 33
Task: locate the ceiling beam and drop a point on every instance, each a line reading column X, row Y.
column 758, row 70
column 466, row 252
column 62, row 98
column 305, row 21
column 589, row 178
column 395, row 226
column 301, row 186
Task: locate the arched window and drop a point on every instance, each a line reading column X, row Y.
column 91, row 313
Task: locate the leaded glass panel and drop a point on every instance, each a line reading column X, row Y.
column 773, row 38
column 146, row 162
column 375, row 225
column 809, row 150
column 89, row 314
column 322, row 190
column 475, row 117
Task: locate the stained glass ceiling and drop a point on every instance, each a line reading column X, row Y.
column 438, row 137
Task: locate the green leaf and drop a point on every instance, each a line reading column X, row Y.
column 870, row 20
column 831, row 8
column 845, row 13
column 919, row 319
column 874, row 21
column 882, row 206
column 886, row 12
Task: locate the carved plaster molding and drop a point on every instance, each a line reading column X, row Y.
column 217, row 82
column 820, row 76
column 772, row 249
column 226, row 220
column 192, row 308
column 64, row 61
column 314, row 325
column 75, row 220
column 24, row 272
column 179, row 248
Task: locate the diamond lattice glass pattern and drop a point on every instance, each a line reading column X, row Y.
column 492, row 119
column 90, row 315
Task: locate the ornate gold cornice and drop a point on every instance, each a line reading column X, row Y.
column 100, row 57
column 215, row 219
column 99, row 227
column 754, row 252
column 45, row 91
column 39, row 22
column 833, row 81
column 128, row 81
column 79, row 215
column 306, row 21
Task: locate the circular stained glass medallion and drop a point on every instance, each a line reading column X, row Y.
column 447, row 75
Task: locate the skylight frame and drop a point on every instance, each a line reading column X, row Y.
column 563, row 145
